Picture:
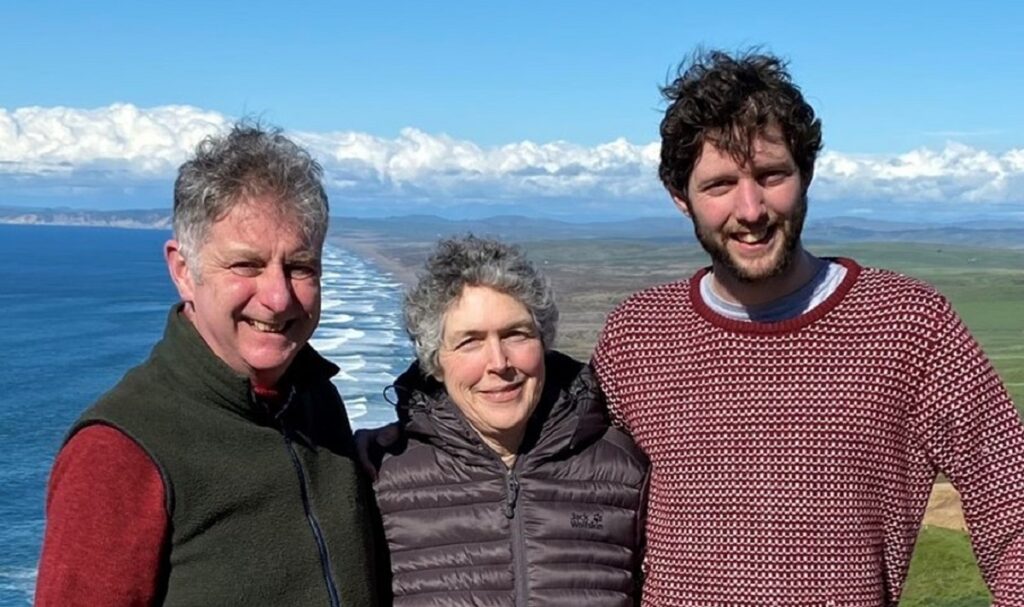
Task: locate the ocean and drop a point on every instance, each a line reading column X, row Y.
column 83, row 305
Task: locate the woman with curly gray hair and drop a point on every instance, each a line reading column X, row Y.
column 508, row 486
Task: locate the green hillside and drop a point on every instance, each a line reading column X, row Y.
column 986, row 286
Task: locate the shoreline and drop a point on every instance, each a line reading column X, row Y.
column 370, row 251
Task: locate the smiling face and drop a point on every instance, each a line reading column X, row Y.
column 748, row 217
column 256, row 297
column 492, row 364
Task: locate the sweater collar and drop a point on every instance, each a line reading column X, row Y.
column 853, row 270
column 194, row 369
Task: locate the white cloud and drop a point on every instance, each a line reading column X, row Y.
column 448, row 171
column 122, row 150
column 120, row 137
column 957, row 173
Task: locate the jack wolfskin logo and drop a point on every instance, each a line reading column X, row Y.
column 586, row 520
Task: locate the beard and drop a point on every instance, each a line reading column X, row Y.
column 781, row 258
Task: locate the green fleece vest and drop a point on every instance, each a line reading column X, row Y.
column 245, row 488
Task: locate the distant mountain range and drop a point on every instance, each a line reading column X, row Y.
column 524, row 229
column 143, row 218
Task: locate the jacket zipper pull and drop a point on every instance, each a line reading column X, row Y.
column 511, row 494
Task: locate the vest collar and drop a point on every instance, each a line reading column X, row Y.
column 194, row 369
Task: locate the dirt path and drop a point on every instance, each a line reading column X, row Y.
column 944, row 508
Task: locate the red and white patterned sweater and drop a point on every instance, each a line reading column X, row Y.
column 792, row 461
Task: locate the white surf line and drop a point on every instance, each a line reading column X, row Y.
column 361, row 331
column 19, row 581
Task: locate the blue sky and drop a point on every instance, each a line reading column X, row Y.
column 445, row 107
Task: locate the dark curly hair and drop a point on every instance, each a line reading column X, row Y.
column 730, row 101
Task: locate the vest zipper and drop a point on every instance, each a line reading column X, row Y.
column 314, row 524
column 518, row 536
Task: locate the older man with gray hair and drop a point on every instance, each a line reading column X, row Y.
column 221, row 470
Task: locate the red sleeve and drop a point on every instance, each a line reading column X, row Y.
column 106, row 524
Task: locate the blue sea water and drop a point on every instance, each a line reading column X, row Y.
column 82, row 305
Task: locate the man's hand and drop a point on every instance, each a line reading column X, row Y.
column 371, row 445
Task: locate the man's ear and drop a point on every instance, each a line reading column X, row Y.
column 178, row 268
column 680, row 201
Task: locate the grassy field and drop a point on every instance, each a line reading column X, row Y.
column 986, row 286
column 943, row 573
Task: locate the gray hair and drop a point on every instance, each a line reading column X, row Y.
column 457, row 263
column 247, row 162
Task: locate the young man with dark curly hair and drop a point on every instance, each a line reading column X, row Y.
column 796, row 409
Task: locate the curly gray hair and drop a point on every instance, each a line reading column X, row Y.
column 247, row 162
column 465, row 261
